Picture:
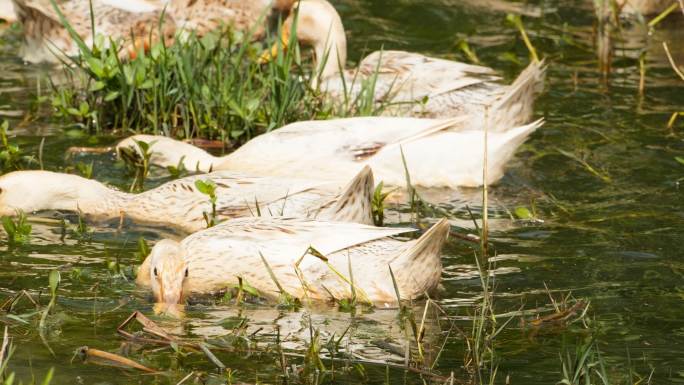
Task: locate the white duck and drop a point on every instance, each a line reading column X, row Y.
column 179, row 204
column 438, row 153
column 213, row 259
column 404, row 79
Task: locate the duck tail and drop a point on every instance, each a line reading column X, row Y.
column 516, row 105
column 38, row 19
column 34, row 11
column 418, row 269
column 502, row 147
column 354, row 203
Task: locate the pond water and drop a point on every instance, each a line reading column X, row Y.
column 600, row 175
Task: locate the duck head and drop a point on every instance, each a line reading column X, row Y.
column 168, row 273
column 320, row 26
column 31, row 191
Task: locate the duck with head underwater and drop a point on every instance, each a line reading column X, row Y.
column 435, row 153
column 410, row 84
column 276, row 256
column 181, row 205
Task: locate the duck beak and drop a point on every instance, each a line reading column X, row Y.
column 170, row 294
column 172, row 310
column 272, row 53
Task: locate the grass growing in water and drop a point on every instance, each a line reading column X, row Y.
column 210, row 87
column 11, row 156
column 138, row 162
column 208, row 188
column 18, row 231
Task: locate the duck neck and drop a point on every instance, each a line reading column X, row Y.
column 320, row 25
column 87, row 196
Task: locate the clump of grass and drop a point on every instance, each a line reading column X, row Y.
column 18, row 230
column 585, row 366
column 480, row 358
column 85, row 169
column 211, row 87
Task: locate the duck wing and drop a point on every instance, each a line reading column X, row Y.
column 237, row 195
column 411, row 76
column 302, row 145
column 283, row 240
column 203, row 16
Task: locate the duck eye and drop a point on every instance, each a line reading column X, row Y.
column 155, row 271
column 186, row 273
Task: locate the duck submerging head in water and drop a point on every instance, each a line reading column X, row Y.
column 264, row 250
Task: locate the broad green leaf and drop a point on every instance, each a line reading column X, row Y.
column 98, row 85
column 523, row 213
column 54, row 279
column 111, row 96
column 83, row 108
column 96, row 66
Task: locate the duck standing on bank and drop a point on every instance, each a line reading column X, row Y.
column 180, row 205
column 215, row 259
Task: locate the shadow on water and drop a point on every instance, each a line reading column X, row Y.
column 599, row 180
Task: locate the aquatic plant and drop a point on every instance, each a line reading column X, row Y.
column 211, row 87
column 18, row 230
column 85, row 169
column 7, row 350
column 208, row 188
column 82, row 231
column 138, row 162
column 143, row 250
column 178, row 171
column 583, row 366
column 11, row 155
column 378, row 204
